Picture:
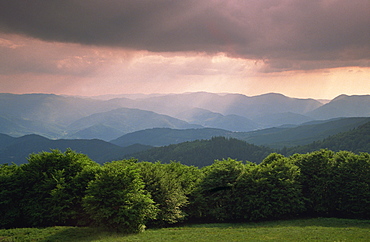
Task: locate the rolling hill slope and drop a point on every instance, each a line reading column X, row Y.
column 343, row 106
column 225, row 104
column 198, row 152
column 203, row 152
column 356, row 140
column 124, row 120
column 56, row 116
column 209, row 119
column 166, row 136
column 277, row 138
column 300, row 135
column 18, row 149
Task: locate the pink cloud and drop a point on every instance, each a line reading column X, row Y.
column 281, row 30
column 252, row 47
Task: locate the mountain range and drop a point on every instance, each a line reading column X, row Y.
column 356, row 140
column 204, row 152
column 277, row 137
column 112, row 128
column 67, row 117
column 16, row 150
column 192, row 145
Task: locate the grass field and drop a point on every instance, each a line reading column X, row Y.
column 318, row 229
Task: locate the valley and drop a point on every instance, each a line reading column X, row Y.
column 143, row 126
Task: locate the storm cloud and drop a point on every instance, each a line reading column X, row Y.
column 285, row 34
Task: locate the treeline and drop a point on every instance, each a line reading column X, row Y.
column 204, row 152
column 56, row 188
column 356, row 140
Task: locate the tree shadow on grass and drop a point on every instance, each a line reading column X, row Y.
column 88, row 234
column 304, row 222
column 83, row 234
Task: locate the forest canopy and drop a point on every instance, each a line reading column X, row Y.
column 68, row 188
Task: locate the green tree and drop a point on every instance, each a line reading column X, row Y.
column 316, row 178
column 167, row 187
column 335, row 184
column 271, row 190
column 10, row 194
column 351, row 183
column 271, row 158
column 54, row 184
column 116, row 199
column 216, row 195
column 189, row 178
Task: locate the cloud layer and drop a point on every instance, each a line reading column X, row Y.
column 301, row 48
column 285, row 34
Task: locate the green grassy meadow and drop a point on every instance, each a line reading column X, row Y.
column 317, row 229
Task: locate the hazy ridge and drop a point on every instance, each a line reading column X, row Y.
column 58, row 117
column 38, row 122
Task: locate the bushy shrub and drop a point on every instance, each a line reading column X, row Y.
column 271, row 190
column 165, row 188
column 11, row 191
column 56, row 188
column 116, row 198
column 236, row 191
column 351, row 185
column 215, row 198
column 54, row 184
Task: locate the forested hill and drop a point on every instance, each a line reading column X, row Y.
column 204, row 152
column 277, row 138
column 166, row 136
column 199, row 153
column 16, row 150
column 356, row 140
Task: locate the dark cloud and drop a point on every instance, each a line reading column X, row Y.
column 288, row 34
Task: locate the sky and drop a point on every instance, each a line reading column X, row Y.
column 307, row 49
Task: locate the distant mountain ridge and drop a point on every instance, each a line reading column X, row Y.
column 127, row 120
column 16, row 150
column 356, row 140
column 210, row 119
column 226, row 104
column 204, row 152
column 166, row 136
column 184, row 145
column 343, row 106
column 303, row 134
column 277, row 137
column 57, row 117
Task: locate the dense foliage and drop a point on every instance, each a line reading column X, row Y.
column 166, row 191
column 204, row 152
column 48, row 190
column 356, row 140
column 335, row 184
column 56, row 188
column 116, row 198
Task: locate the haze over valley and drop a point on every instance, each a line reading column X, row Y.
column 257, row 71
column 184, row 116
column 114, row 128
